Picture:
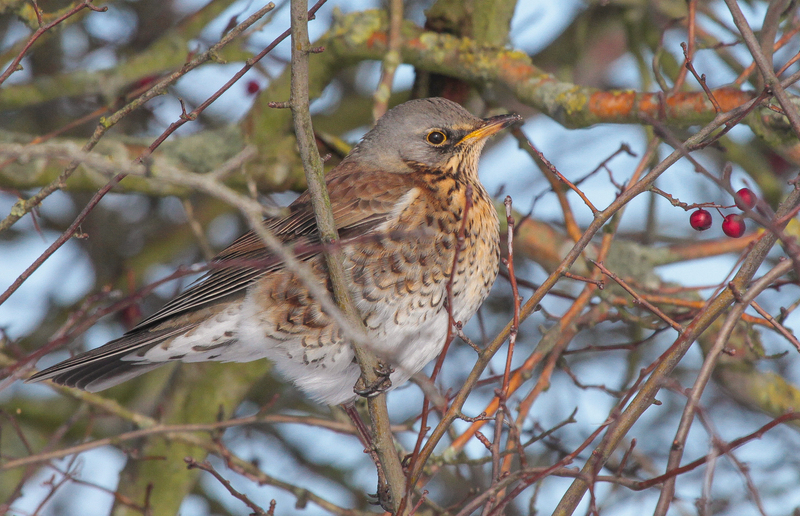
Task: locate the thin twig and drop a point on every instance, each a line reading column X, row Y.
column 453, row 327
column 687, row 53
column 764, row 64
column 639, row 299
column 558, row 187
column 206, row 466
column 189, row 117
column 390, row 62
column 732, row 445
column 785, row 38
column 153, row 427
column 528, row 308
column 512, row 336
column 778, row 326
column 502, row 395
column 22, row 207
column 14, row 66
column 564, row 180
column 707, row 369
column 688, row 50
column 62, row 239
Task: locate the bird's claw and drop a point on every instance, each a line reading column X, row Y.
column 382, row 384
column 383, row 498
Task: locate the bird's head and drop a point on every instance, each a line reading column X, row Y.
column 434, row 133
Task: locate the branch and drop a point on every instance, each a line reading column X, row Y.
column 390, row 61
column 765, row 63
column 709, row 364
column 370, row 367
column 14, row 66
column 23, row 206
column 166, row 54
column 599, row 221
column 363, row 36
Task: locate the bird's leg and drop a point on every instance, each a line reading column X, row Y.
column 382, row 384
column 383, row 496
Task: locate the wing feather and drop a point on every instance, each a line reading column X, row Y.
column 358, row 210
column 361, row 201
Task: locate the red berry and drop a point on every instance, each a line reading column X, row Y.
column 253, row 87
column 733, row 225
column 700, row 220
column 747, row 197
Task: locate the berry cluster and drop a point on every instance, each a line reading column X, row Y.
column 733, row 224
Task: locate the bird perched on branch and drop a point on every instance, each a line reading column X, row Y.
column 410, row 239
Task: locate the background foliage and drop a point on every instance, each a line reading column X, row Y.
column 653, row 367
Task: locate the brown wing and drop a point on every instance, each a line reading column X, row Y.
column 360, row 202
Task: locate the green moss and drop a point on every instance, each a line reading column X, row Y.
column 357, row 28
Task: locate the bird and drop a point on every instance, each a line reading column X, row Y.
column 410, row 242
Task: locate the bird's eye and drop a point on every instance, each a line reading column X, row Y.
column 436, row 137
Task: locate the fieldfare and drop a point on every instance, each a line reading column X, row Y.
column 399, row 199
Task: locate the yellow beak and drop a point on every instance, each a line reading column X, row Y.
column 491, row 126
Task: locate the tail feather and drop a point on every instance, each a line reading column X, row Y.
column 94, row 379
column 110, row 364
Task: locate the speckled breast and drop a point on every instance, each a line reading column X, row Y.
column 402, row 278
